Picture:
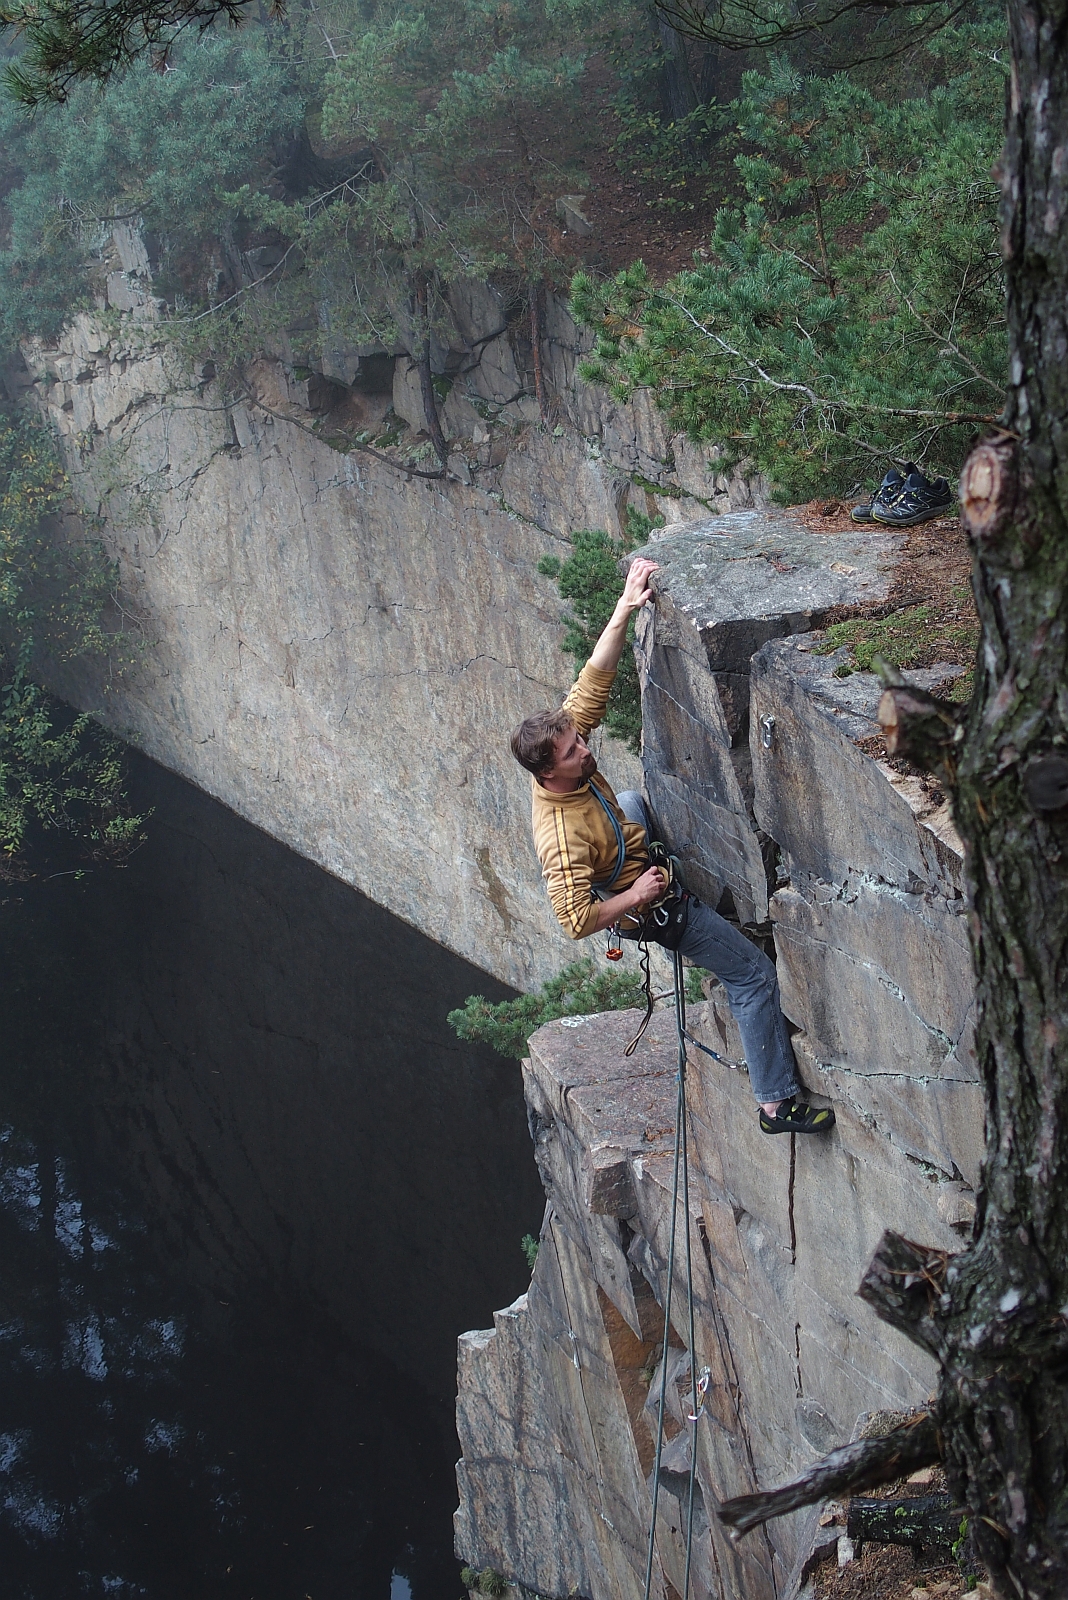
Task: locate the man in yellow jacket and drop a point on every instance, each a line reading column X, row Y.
column 593, row 849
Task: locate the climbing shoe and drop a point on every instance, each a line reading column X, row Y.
column 917, row 501
column 884, row 495
column 797, row 1116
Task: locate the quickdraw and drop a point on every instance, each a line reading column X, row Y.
column 700, row 1394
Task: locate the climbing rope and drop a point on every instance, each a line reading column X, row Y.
column 680, row 1180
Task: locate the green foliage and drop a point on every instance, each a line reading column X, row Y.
column 666, row 154
column 529, row 1246
column 694, row 978
column 68, row 41
column 590, row 579
column 60, row 775
column 169, row 149
column 488, row 1581
column 852, row 308
column 916, row 636
column 52, row 589
column 581, row 989
column 368, row 150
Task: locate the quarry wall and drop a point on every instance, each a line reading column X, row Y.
column 331, row 643
column 336, row 647
column 763, row 763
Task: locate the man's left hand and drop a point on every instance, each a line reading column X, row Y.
column 636, row 590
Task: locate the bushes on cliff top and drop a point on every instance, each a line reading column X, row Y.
column 582, row 989
column 851, row 307
column 585, row 988
column 167, row 149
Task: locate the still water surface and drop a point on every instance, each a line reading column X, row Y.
column 251, row 1188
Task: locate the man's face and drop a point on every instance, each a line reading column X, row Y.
column 572, row 762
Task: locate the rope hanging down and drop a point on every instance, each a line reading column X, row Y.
column 698, row 1387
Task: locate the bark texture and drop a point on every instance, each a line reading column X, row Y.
column 864, row 1465
column 999, row 1320
column 923, row 1521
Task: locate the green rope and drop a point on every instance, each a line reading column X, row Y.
column 681, row 1168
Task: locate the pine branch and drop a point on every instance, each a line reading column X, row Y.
column 71, row 40
column 903, row 1284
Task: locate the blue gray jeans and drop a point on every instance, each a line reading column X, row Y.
column 749, row 979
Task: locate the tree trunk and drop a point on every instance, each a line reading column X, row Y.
column 426, row 375
column 534, row 307
column 999, row 1320
column 678, row 96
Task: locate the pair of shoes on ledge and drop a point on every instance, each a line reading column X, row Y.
column 903, row 499
column 797, row 1116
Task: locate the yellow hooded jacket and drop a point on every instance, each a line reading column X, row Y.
column 575, row 841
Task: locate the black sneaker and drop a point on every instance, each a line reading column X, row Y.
column 884, row 495
column 917, row 501
column 797, row 1116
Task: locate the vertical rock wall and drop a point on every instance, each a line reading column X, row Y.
column 333, row 645
column 762, row 770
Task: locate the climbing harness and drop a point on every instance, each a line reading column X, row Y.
column 665, row 918
column 699, row 1388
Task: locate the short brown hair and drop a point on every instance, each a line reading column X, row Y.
column 534, row 741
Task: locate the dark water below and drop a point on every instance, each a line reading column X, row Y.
column 251, row 1189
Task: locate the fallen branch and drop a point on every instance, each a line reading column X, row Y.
column 922, row 1521
column 864, row 1465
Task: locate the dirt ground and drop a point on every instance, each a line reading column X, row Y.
column 628, row 221
column 936, row 569
column 892, row 1572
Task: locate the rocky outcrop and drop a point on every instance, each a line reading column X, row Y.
column 857, row 865
column 870, row 919
column 727, row 586
column 332, row 644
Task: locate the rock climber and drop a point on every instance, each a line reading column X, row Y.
column 593, row 849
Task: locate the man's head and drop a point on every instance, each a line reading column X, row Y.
column 550, row 746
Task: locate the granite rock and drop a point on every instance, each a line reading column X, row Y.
column 725, row 587
column 869, row 922
column 778, row 1241
column 830, row 806
column 281, row 585
column 332, row 648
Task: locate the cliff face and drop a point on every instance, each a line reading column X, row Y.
column 334, row 646
column 337, row 648
column 861, row 879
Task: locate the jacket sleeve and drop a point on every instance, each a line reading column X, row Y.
column 568, row 870
column 588, row 696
